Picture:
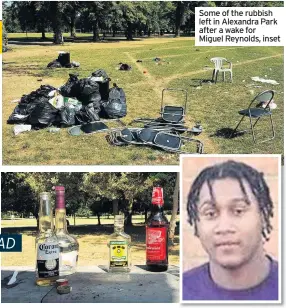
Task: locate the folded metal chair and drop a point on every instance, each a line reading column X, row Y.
column 171, row 116
column 256, row 113
column 165, row 140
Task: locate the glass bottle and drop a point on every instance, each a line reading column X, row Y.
column 47, row 245
column 69, row 246
column 157, row 234
column 119, row 244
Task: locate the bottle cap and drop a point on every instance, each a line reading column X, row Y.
column 64, row 289
column 157, row 196
column 45, row 195
column 59, row 188
column 60, row 197
column 62, row 282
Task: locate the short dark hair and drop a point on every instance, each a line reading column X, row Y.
column 240, row 172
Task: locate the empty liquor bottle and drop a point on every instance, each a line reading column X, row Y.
column 47, row 245
column 119, row 244
column 157, row 234
column 69, row 246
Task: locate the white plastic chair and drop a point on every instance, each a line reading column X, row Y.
column 221, row 65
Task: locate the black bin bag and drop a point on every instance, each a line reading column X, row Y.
column 103, row 84
column 116, row 106
column 44, row 115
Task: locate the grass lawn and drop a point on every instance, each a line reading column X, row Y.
column 184, row 65
column 92, row 241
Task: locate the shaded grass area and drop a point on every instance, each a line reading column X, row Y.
column 92, row 242
column 183, row 65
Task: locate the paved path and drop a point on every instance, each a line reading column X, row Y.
column 94, row 284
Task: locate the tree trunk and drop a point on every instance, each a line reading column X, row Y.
column 98, row 219
column 72, row 28
column 180, row 10
column 95, row 31
column 174, row 211
column 56, row 22
column 128, row 221
column 43, row 34
column 129, row 34
column 115, row 206
column 74, row 219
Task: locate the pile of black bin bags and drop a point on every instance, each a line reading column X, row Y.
column 93, row 93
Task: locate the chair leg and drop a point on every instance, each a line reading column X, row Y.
column 272, row 128
column 216, row 75
column 273, row 131
column 234, row 131
column 230, row 76
column 213, row 76
column 223, row 76
column 252, row 129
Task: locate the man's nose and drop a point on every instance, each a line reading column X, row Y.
column 224, row 223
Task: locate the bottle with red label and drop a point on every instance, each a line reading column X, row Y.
column 157, row 234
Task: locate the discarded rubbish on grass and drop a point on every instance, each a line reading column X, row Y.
column 63, row 61
column 78, row 101
column 270, row 81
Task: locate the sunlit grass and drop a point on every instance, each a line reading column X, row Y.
column 183, row 65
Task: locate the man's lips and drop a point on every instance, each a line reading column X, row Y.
column 227, row 243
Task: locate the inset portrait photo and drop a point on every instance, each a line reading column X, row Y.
column 231, row 228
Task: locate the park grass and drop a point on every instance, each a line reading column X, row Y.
column 183, row 66
column 92, row 241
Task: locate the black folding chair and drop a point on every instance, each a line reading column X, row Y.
column 171, row 115
column 264, row 98
column 165, row 140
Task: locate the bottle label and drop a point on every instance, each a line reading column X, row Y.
column 156, row 241
column 157, row 196
column 118, row 254
column 48, row 260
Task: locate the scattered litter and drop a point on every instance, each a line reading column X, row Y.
column 157, row 59
column 139, row 61
column 20, row 128
column 124, row 67
column 40, row 79
column 271, row 106
column 54, row 129
column 13, row 278
column 198, row 88
column 252, row 85
column 145, row 71
column 271, row 81
column 17, row 100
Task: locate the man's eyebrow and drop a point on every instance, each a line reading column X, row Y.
column 245, row 200
column 205, row 203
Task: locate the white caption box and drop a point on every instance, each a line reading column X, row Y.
column 239, row 26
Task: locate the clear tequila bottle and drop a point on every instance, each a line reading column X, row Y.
column 69, row 246
column 119, row 245
column 47, row 245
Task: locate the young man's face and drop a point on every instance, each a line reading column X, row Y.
column 229, row 228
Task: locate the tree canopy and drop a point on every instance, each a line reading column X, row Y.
column 127, row 17
column 86, row 193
